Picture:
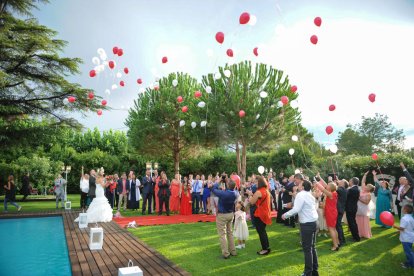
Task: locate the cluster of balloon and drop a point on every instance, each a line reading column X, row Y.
column 117, row 51
column 242, row 113
column 387, row 218
column 332, row 107
column 122, row 83
column 371, row 97
column 255, row 51
column 284, row 100
column 291, row 151
column 329, row 130
column 317, row 21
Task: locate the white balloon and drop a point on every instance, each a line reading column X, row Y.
column 291, row 151
column 294, row 104
column 227, row 73
column 261, row 169
column 157, row 78
column 107, row 92
column 103, row 56
column 217, row 76
column 257, row 116
column 151, row 86
column 297, row 171
column 141, row 90
column 263, row 94
column 96, row 61
column 182, row 123
column 203, row 123
column 65, row 101
column 119, row 75
column 156, row 84
column 333, row 148
column 193, row 124
column 253, row 20
column 97, row 69
column 175, row 83
column 208, row 89
column 114, row 86
column 100, row 51
column 295, row 138
column 201, row 104
column 279, row 104
column 101, row 68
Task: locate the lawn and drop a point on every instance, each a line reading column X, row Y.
column 195, row 248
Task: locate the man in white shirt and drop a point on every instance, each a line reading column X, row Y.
column 305, row 206
column 407, row 235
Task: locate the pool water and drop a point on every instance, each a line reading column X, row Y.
column 33, row 246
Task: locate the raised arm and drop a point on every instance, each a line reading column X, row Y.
column 324, row 190
column 320, row 180
column 364, row 179
column 407, row 174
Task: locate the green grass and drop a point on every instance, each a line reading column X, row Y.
column 195, row 248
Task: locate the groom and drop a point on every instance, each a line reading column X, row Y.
column 92, row 185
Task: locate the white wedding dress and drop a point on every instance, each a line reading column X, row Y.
column 99, row 210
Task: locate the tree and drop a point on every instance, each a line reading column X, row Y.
column 257, row 91
column 154, row 121
column 372, row 134
column 33, row 75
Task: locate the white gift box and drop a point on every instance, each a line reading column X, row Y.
column 83, row 220
column 96, row 238
column 68, row 205
column 130, row 270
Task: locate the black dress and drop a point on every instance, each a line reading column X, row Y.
column 133, row 203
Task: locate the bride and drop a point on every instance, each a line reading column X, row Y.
column 99, row 210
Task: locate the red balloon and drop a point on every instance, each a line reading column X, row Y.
column 71, row 99
column 284, row 100
column 220, row 37
column 387, row 218
column 164, row 60
column 91, row 95
column 115, row 50
column 230, row 52
column 242, row 113
column 184, row 109
column 255, row 51
column 126, row 70
column 371, row 97
column 104, row 102
column 156, row 88
column 236, row 180
column 92, row 73
column 329, row 130
column 314, row 39
column 332, row 107
column 197, row 94
column 120, row 52
column 317, row 21
column 122, row 83
column 374, row 156
column 99, row 112
column 179, row 99
column 111, row 64
column 293, row 88
column 244, row 18
column 139, row 81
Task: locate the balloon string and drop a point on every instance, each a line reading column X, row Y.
column 293, row 165
column 333, row 170
column 378, row 166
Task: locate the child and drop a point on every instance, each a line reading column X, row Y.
column 241, row 232
column 406, row 229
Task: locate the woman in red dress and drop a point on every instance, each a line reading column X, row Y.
column 185, row 207
column 331, row 212
column 175, row 194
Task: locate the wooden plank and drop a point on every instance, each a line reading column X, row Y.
column 74, row 260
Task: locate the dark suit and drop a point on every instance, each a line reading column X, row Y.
column 287, row 198
column 340, row 205
column 147, row 192
column 164, row 194
column 92, row 187
column 351, row 208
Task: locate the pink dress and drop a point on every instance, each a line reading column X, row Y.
column 362, row 217
column 175, row 196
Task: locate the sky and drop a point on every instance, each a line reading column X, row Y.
column 364, row 47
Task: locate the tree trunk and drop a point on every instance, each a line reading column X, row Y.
column 176, row 153
column 239, row 171
column 243, row 162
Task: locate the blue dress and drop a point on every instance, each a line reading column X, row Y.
column 384, row 198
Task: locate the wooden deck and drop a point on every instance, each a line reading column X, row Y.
column 119, row 247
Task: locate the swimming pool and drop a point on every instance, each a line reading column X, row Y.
column 33, row 246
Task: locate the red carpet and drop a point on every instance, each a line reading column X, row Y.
column 173, row 219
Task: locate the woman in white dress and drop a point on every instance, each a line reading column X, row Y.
column 99, row 210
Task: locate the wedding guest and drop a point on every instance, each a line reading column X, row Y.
column 92, row 185
column 253, row 189
column 147, row 191
column 213, row 197
column 155, row 188
column 262, row 217
column 116, row 195
column 406, row 229
column 363, row 213
column 84, row 187
column 25, row 190
column 305, row 207
column 134, row 195
column 283, row 182
column 164, row 194
column 384, row 199
column 123, row 190
column 351, row 207
column 175, row 194
column 272, row 188
column 112, row 190
column 224, row 219
column 59, row 188
column 10, row 194
column 341, row 209
column 206, row 196
column 241, row 232
column 321, row 223
column 108, row 194
column 195, row 196
column 202, row 180
column 185, row 204
column 287, row 203
column 408, row 195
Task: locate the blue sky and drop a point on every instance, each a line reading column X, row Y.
column 364, row 47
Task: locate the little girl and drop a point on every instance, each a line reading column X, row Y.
column 241, row 232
